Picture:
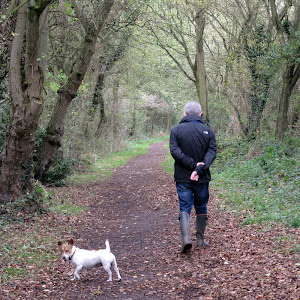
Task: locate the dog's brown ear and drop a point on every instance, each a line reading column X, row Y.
column 71, row 242
column 59, row 243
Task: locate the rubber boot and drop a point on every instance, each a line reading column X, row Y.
column 200, row 229
column 184, row 219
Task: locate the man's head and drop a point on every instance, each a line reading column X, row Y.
column 192, row 108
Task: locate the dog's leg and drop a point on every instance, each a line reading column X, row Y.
column 77, row 270
column 107, row 269
column 114, row 264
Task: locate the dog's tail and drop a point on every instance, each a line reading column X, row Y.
column 107, row 245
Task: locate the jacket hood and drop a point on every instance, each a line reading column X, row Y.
column 190, row 118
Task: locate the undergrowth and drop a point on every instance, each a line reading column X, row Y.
column 260, row 178
column 26, row 206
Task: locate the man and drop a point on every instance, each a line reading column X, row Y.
column 193, row 147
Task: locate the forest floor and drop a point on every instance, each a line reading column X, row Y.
column 137, row 210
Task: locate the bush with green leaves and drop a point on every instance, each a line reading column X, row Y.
column 60, row 168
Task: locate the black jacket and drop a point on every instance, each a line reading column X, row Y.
column 191, row 141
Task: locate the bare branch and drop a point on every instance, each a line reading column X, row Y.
column 3, row 101
column 81, row 16
column 275, row 17
column 11, row 10
column 177, row 63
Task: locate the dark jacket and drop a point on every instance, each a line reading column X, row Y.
column 191, row 141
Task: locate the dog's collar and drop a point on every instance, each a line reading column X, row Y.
column 71, row 256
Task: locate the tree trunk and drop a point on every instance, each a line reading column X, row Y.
column 26, row 89
column 199, row 71
column 68, row 92
column 292, row 70
column 291, row 76
column 98, row 102
column 168, row 122
column 258, row 100
column 115, row 112
column 132, row 131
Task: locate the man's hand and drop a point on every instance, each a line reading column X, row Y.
column 194, row 176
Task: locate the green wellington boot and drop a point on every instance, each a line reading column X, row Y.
column 184, row 219
column 200, row 229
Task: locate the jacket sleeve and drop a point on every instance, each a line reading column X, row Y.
column 178, row 155
column 211, row 152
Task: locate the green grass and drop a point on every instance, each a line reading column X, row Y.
column 168, row 164
column 67, row 209
column 103, row 167
column 24, row 252
column 260, row 178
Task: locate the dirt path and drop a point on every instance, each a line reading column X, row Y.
column 137, row 211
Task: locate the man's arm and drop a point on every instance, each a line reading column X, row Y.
column 211, row 152
column 178, row 155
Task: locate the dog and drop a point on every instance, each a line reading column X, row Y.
column 81, row 258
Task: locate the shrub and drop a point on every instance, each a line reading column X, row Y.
column 59, row 170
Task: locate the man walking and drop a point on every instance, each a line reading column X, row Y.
column 193, row 147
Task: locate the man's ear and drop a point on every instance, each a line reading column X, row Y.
column 71, row 242
column 200, row 114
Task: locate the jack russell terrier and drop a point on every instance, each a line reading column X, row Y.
column 81, row 258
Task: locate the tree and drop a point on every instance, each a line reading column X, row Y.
column 247, row 42
column 178, row 28
column 115, row 41
column 26, row 79
column 286, row 22
column 80, row 63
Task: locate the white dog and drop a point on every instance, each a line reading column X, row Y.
column 81, row 258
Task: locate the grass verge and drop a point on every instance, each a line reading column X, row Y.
column 260, row 180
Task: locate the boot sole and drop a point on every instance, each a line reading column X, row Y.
column 186, row 248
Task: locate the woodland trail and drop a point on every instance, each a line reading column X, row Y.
column 137, row 210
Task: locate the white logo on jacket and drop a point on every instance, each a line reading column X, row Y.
column 205, row 132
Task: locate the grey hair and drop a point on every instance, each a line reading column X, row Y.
column 192, row 108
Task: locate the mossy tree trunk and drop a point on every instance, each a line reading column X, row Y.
column 26, row 89
column 286, row 19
